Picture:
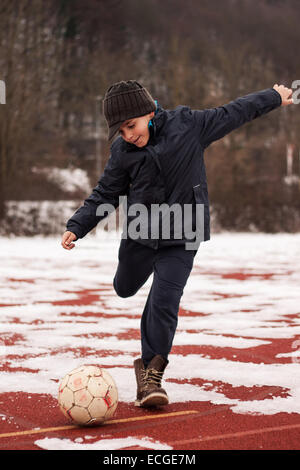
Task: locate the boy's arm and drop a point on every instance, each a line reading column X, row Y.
column 213, row 124
column 113, row 183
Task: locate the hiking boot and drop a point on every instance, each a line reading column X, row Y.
column 149, row 391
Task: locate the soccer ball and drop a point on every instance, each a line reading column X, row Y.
column 88, row 395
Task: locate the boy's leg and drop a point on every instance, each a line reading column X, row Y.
column 134, row 268
column 172, row 267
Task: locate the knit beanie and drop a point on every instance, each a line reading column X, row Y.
column 125, row 100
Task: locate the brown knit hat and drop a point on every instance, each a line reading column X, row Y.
column 123, row 101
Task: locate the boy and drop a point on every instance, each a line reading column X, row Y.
column 158, row 160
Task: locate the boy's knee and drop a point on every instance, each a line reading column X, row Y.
column 122, row 291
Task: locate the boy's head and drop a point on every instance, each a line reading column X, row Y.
column 128, row 107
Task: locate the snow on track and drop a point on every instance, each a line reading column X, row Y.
column 238, row 331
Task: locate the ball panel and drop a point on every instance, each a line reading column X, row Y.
column 79, row 414
column 108, row 400
column 66, row 398
column 113, row 394
column 108, row 378
column 82, row 398
column 97, row 387
column 111, row 411
column 97, row 371
column 78, row 381
column 98, row 408
column 92, row 370
column 65, row 412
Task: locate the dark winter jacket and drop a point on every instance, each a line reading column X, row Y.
column 170, row 169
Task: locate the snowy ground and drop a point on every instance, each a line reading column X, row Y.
column 243, row 294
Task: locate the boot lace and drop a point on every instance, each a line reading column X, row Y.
column 152, row 377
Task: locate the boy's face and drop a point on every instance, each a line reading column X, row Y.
column 136, row 131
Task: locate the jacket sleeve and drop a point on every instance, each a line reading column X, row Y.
column 213, row 124
column 113, row 183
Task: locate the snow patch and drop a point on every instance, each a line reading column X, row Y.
column 60, row 311
column 104, row 444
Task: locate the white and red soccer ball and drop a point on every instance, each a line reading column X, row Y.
column 88, row 395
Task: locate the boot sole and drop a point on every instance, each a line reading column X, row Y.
column 154, row 399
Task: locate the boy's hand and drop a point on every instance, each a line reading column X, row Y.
column 67, row 238
column 285, row 94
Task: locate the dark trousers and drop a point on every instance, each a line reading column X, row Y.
column 171, row 267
